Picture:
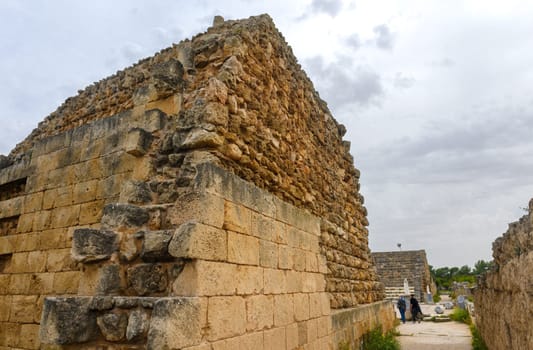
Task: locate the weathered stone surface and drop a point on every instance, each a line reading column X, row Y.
column 503, row 297
column 135, row 192
column 193, row 240
column 156, row 245
column 138, row 142
column 100, row 303
column 199, row 138
column 113, row 325
column 175, row 324
column 116, row 215
column 89, row 245
column 67, row 320
column 147, row 278
column 109, row 280
column 138, row 323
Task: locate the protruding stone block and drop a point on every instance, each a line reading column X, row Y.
column 113, row 326
column 138, row 323
column 89, row 245
column 135, row 192
column 138, row 142
column 175, row 324
column 156, row 245
column 197, row 241
column 116, row 215
column 67, row 321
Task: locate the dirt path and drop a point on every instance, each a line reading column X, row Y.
column 434, row 336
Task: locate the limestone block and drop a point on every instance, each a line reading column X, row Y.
column 117, row 215
column 33, row 202
column 41, row 221
column 268, row 254
column 262, row 227
column 90, row 245
column 194, row 240
column 110, row 280
column 137, row 142
column 22, row 308
column 138, row 323
column 217, row 180
column 156, row 245
column 19, row 263
column 311, row 262
column 101, row 303
column 275, row 281
column 298, row 258
column 113, row 325
column 226, row 317
column 147, row 278
column 249, row 280
column 37, row 261
column 201, row 277
column 200, row 207
column 65, row 216
column 171, row 105
column 275, row 339
column 19, row 284
column 84, row 191
column 292, row 336
column 315, row 306
column 59, row 260
column 91, row 213
column 30, row 336
column 5, row 307
column 303, row 336
column 200, row 138
column 135, row 192
column 67, row 320
column 285, row 257
column 6, row 245
column 243, row 249
column 176, row 323
column 154, row 119
column 25, row 223
column 301, row 306
column 251, row 341
column 283, row 309
column 66, row 282
column 259, row 312
column 312, row 330
column 237, row 218
column 55, row 238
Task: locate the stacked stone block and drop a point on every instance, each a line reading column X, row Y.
column 186, row 193
column 394, row 267
column 503, row 297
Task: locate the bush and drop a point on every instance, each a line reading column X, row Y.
column 477, row 342
column 376, row 340
column 436, row 298
column 461, row 315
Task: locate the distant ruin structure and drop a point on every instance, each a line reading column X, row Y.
column 394, row 267
column 202, row 199
column 504, row 296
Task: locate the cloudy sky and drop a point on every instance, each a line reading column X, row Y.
column 436, row 95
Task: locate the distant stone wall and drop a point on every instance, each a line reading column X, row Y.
column 208, row 177
column 394, row 267
column 504, row 296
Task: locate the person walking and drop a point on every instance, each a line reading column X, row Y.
column 401, row 307
column 416, row 312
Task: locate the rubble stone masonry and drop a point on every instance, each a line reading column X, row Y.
column 504, row 296
column 201, row 199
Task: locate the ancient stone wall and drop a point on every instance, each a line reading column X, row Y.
column 394, row 267
column 206, row 189
column 504, row 296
